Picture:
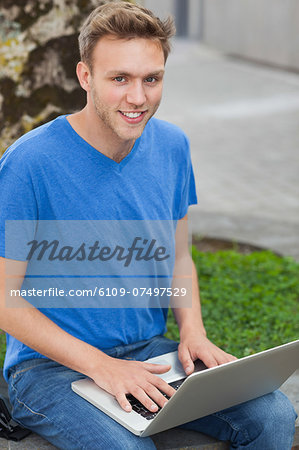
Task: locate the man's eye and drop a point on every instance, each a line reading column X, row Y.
column 119, row 79
column 151, row 79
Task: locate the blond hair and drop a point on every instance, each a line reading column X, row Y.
column 124, row 21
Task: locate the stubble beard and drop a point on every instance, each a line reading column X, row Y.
column 105, row 115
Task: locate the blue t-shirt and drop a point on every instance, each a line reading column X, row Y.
column 51, row 173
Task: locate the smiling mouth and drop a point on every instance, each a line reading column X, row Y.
column 132, row 115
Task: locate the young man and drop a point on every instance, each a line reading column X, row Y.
column 112, row 161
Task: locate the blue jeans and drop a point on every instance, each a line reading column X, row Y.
column 42, row 399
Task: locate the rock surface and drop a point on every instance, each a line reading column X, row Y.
column 38, row 57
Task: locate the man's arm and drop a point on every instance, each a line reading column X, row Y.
column 34, row 329
column 194, row 343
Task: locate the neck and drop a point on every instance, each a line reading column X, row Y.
column 91, row 129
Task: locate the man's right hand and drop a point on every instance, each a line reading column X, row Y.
column 121, row 377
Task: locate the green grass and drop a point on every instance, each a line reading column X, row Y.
column 2, row 347
column 249, row 302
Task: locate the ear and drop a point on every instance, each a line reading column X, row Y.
column 84, row 75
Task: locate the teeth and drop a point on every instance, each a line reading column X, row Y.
column 132, row 115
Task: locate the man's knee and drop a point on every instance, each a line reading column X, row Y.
column 272, row 422
column 281, row 414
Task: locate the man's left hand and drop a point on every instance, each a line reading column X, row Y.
column 200, row 347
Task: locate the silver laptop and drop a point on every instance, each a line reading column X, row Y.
column 203, row 392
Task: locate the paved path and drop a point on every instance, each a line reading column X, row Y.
column 243, row 123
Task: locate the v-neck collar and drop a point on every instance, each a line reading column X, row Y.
column 93, row 152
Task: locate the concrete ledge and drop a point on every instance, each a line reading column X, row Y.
column 168, row 440
column 32, row 442
column 183, row 439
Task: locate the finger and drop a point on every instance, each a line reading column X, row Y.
column 155, row 394
column 209, row 359
column 185, row 359
column 163, row 386
column 141, row 395
column 228, row 358
column 210, row 362
column 223, row 357
column 123, row 401
column 216, row 358
column 157, row 368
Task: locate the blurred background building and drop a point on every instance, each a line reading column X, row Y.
column 232, row 84
column 262, row 30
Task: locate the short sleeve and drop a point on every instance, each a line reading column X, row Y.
column 188, row 195
column 18, row 203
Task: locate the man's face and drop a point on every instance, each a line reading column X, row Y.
column 126, row 84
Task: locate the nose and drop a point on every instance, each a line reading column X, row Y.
column 136, row 94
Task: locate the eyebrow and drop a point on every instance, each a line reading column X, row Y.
column 127, row 74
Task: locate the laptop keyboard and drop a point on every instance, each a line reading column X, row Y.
column 138, row 407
